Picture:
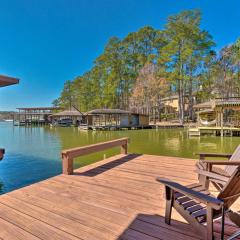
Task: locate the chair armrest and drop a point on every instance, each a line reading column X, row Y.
column 204, row 155
column 208, row 200
column 222, row 162
column 212, row 175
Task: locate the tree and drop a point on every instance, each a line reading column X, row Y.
column 136, row 72
column 149, row 89
column 67, row 97
column 183, row 53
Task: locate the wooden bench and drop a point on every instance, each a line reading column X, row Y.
column 69, row 154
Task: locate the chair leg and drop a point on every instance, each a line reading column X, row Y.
column 168, row 212
column 210, row 235
column 169, row 205
column 223, row 223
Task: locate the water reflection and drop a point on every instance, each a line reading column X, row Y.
column 32, row 155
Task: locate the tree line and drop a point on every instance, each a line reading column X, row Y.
column 137, row 72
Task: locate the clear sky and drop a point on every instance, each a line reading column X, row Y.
column 45, row 42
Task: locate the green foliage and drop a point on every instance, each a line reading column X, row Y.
column 138, row 71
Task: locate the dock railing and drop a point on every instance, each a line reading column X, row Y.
column 68, row 155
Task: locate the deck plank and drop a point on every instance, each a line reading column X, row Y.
column 116, row 198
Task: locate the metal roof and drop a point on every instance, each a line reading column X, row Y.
column 206, row 111
column 231, row 101
column 39, row 108
column 170, row 98
column 68, row 113
column 208, row 104
column 108, row 111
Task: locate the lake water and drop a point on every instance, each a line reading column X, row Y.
column 33, row 153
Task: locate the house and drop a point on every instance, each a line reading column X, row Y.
column 171, row 103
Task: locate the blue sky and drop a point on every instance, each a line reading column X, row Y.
column 45, row 42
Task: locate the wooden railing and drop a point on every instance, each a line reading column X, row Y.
column 69, row 154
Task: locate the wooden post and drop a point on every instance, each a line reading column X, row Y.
column 124, row 148
column 221, row 123
column 67, row 165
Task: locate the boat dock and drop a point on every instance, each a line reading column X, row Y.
column 113, row 199
column 216, row 131
column 114, row 128
column 34, row 116
column 117, row 128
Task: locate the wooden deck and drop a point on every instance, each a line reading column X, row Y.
column 116, row 198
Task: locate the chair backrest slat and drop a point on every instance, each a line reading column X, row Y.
column 235, row 157
column 231, row 191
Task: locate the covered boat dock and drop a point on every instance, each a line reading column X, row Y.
column 34, row 115
column 220, row 117
column 67, row 117
column 114, row 119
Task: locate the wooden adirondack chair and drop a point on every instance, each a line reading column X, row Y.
column 207, row 170
column 198, row 207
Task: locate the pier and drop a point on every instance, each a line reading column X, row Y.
column 219, row 117
column 216, row 131
column 116, row 198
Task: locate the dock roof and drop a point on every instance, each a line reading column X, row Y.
column 6, row 81
column 228, row 102
column 107, row 111
column 68, row 113
column 39, row 108
column 204, row 105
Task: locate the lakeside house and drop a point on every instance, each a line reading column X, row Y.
column 171, row 103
